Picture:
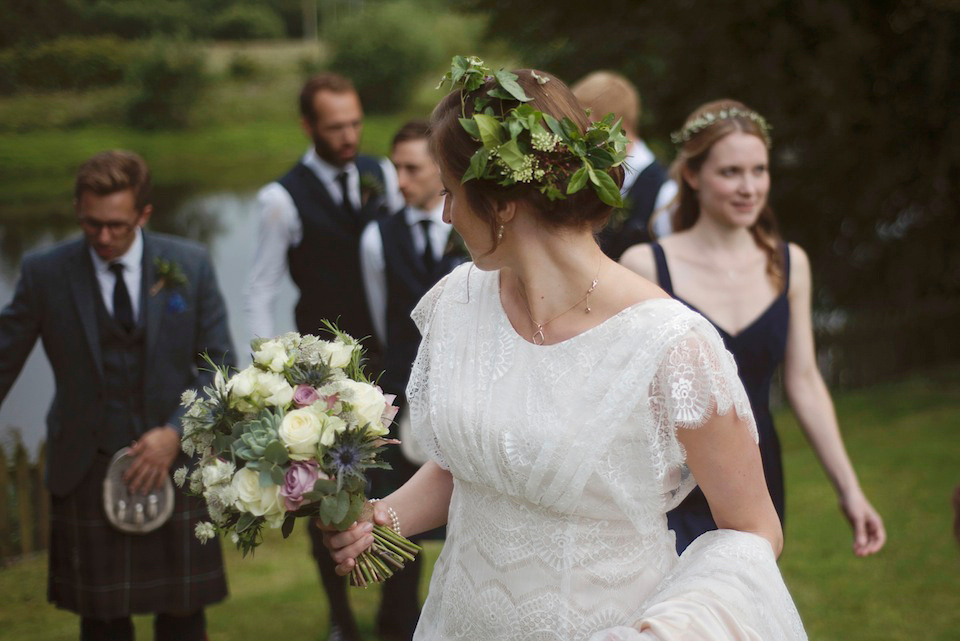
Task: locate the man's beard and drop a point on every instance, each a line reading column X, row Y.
column 330, row 154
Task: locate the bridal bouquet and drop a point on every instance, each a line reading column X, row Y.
column 291, row 435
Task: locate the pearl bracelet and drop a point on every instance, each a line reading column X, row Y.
column 394, row 519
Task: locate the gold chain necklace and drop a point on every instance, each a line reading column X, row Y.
column 538, row 337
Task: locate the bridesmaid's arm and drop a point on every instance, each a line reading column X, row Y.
column 421, row 504
column 811, row 402
column 725, row 460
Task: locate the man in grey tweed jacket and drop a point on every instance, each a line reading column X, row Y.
column 123, row 315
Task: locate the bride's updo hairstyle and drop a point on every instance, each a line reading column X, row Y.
column 706, row 126
column 453, row 147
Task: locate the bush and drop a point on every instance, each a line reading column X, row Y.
column 144, row 18
column 385, row 50
column 169, row 82
column 67, row 63
column 242, row 66
column 247, row 22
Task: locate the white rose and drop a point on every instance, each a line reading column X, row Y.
column 367, row 402
column 273, row 389
column 332, row 425
column 300, row 432
column 273, row 356
column 335, row 353
column 242, row 383
column 252, row 498
column 216, row 472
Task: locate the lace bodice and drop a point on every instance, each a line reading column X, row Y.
column 564, row 458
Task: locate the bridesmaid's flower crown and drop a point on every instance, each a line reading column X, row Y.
column 701, row 122
column 525, row 145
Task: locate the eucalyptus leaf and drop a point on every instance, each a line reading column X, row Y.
column 470, row 126
column 325, row 486
column 343, row 506
column 508, row 81
column 275, row 452
column 489, row 127
column 510, row 154
column 276, row 475
column 577, row 181
column 266, row 477
column 328, row 507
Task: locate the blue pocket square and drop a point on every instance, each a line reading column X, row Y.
column 176, row 303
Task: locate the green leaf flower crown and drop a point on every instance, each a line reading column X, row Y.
column 525, row 145
column 703, row 121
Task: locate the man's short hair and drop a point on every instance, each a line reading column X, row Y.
column 413, row 130
column 327, row 81
column 111, row 171
column 606, row 92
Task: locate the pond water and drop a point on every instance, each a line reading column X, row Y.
column 225, row 222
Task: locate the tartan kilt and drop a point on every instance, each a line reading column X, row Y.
column 100, row 572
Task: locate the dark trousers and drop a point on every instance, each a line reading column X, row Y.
column 166, row 627
column 399, row 604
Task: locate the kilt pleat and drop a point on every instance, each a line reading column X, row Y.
column 100, row 572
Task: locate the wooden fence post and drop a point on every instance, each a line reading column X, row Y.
column 21, row 465
column 43, row 498
column 6, row 549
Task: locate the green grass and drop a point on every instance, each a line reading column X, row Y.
column 905, row 443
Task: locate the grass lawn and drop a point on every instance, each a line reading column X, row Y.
column 904, row 439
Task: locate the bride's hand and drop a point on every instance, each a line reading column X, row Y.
column 347, row 545
column 869, row 535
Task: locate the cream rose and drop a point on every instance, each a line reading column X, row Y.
column 273, row 356
column 367, row 403
column 335, row 353
column 273, row 389
column 300, row 432
column 332, row 425
column 252, row 498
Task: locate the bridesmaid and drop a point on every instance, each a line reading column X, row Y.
column 728, row 262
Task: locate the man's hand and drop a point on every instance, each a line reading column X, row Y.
column 155, row 452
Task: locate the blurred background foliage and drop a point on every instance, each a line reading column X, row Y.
column 862, row 94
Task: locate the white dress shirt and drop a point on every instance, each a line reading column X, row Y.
column 639, row 157
column 281, row 229
column 373, row 265
column 132, row 274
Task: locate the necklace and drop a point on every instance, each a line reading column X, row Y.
column 538, row 337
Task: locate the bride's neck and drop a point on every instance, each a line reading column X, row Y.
column 552, row 272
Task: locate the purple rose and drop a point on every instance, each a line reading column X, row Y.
column 304, row 395
column 300, row 477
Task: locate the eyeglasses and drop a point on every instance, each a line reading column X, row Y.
column 114, row 227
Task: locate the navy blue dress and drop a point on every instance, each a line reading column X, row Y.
column 758, row 350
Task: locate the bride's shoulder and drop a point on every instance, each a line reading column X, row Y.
column 457, row 280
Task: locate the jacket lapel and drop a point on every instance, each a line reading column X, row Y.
column 84, row 286
column 152, row 303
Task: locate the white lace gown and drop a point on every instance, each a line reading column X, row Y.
column 565, row 461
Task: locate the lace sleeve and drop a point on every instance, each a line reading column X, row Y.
column 695, row 380
column 423, row 312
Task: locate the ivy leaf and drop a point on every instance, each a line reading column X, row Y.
column 478, row 165
column 470, row 126
column 570, row 130
column 514, row 127
column 554, row 125
column 606, row 188
column 511, row 155
column 287, row 526
column 553, row 193
column 458, row 68
column 577, row 181
column 508, row 81
column 489, row 129
column 600, row 158
column 500, row 93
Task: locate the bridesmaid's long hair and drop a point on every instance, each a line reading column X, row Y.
column 693, row 153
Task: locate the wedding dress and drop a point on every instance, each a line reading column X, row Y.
column 565, row 461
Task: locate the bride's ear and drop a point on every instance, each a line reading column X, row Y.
column 505, row 212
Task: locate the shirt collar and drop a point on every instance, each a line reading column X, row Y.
column 414, row 215
column 324, row 170
column 131, row 260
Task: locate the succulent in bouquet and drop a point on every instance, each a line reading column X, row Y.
column 294, row 434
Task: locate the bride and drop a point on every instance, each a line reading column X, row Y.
column 568, row 404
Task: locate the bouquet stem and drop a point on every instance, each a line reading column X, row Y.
column 386, row 556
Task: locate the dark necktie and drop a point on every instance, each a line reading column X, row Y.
column 122, row 309
column 428, row 260
column 342, row 178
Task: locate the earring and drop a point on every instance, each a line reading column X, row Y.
column 499, row 234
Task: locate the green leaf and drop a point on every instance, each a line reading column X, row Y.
column 500, row 93
column 577, row 181
column 287, row 526
column 489, row 128
column 275, row 452
column 553, row 193
column 478, row 165
column 357, row 501
column 343, row 506
column 570, row 129
column 514, row 127
column 276, row 475
column 328, row 507
column 325, row 486
column 600, row 158
column 266, row 478
column 554, row 125
column 508, row 81
column 606, row 188
column 245, row 521
column 510, row 154
column 470, row 126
